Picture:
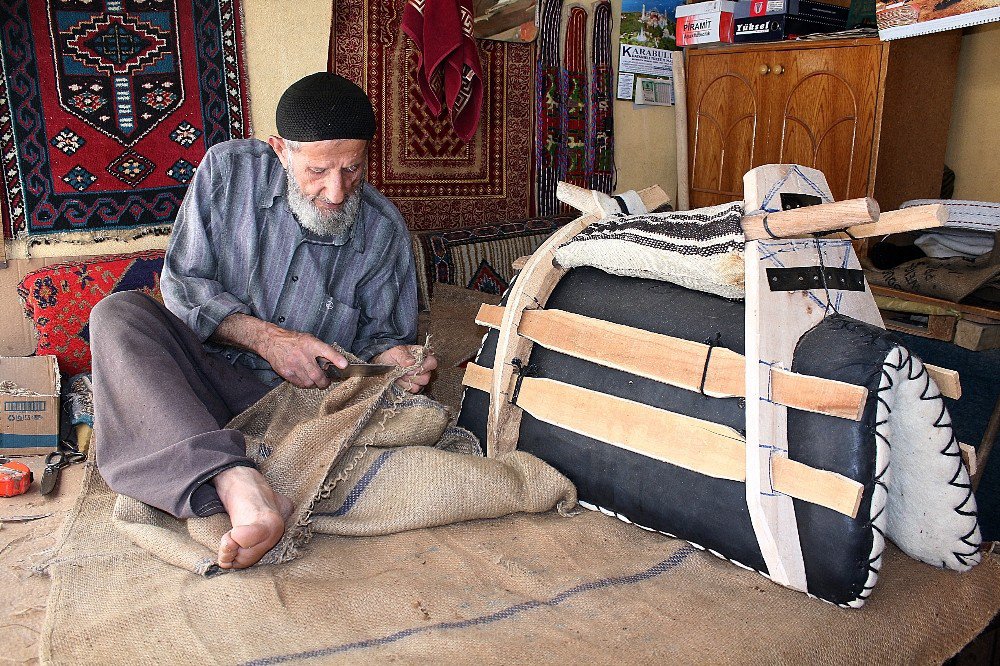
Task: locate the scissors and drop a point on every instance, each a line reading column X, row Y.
column 54, row 464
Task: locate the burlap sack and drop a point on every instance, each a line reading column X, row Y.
column 952, row 279
column 312, row 447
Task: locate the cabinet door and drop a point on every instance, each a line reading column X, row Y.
column 823, row 113
column 725, row 125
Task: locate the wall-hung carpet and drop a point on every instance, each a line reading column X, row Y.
column 437, row 180
column 107, row 107
column 573, row 101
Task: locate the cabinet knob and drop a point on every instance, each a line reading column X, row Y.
column 764, row 70
column 778, row 70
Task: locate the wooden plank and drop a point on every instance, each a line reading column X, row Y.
column 675, row 361
column 817, row 395
column 989, row 313
column 532, row 288
column 477, row 377
column 900, row 221
column 775, row 321
column 811, row 219
column 935, row 327
column 681, row 131
column 701, row 446
column 760, row 184
column 829, row 489
column 948, row 381
column 490, row 315
column 977, row 336
column 589, row 202
column 772, row 515
column 969, row 458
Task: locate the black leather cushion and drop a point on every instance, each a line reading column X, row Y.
column 707, row 511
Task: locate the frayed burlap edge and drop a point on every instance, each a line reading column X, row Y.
column 300, row 532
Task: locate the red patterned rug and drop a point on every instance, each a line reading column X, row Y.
column 437, row 180
column 107, row 107
column 58, row 300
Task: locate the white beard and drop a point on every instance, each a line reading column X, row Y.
column 323, row 223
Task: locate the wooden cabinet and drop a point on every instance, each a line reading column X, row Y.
column 873, row 116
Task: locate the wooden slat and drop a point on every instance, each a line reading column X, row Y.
column 773, row 322
column 681, row 130
column 519, row 263
column 933, row 326
column 532, row 288
column 988, row 313
column 829, row 489
column 818, row 395
column 695, row 444
column 977, row 336
column 675, row 361
column 587, row 203
column 811, row 219
column 969, row 458
column 948, row 381
column 900, row 221
column 490, row 315
column 477, row 377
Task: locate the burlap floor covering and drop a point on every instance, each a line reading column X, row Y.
column 527, row 588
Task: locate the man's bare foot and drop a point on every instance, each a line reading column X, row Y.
column 257, row 513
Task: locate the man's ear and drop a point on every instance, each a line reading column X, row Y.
column 278, row 146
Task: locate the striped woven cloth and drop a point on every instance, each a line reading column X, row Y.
column 699, row 249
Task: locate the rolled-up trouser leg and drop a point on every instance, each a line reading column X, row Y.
column 160, row 404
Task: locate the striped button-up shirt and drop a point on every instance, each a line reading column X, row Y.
column 236, row 247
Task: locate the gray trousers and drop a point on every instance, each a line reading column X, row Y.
column 160, row 404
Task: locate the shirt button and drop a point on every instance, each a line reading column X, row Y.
column 295, row 278
column 281, row 320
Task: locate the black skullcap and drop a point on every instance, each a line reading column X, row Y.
column 325, row 106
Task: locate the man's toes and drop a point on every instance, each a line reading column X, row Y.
column 253, row 542
column 228, row 549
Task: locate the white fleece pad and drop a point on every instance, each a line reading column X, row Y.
column 699, row 249
column 930, row 506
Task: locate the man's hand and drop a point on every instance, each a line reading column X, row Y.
column 291, row 354
column 417, row 378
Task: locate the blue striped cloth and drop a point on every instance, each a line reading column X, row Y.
column 236, row 247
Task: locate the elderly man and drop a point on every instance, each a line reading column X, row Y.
column 279, row 250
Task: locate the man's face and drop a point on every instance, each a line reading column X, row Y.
column 324, row 181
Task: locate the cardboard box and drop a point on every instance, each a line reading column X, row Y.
column 705, row 22
column 29, row 404
column 774, row 20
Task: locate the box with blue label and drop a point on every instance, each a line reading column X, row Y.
column 773, row 20
column 29, row 404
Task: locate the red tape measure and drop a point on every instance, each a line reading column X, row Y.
column 15, row 478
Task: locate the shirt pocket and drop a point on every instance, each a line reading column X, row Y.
column 338, row 322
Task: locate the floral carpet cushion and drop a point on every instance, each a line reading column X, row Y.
column 59, row 298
